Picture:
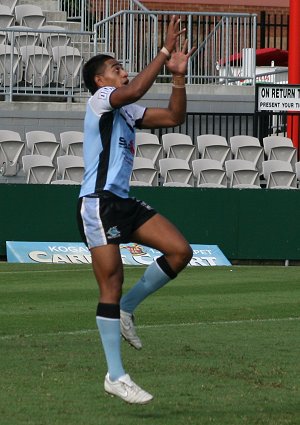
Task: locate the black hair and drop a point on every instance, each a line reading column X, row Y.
column 91, row 68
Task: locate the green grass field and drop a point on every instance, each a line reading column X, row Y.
column 221, row 345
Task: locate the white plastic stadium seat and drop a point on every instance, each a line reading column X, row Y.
column 177, row 184
column 11, row 148
column 177, row 145
column 10, row 54
column 42, row 143
column 72, row 142
column 281, row 139
column 3, row 37
column 65, row 181
column 247, row 148
column 148, row 146
column 143, row 173
column 213, row 146
column 280, row 148
column 6, row 16
column 55, row 37
column 242, row 174
column 68, row 62
column 176, row 170
column 10, row 3
column 138, row 183
column 22, row 36
column 29, row 15
column 70, row 167
column 143, row 137
column 38, row 169
column 279, row 174
column 170, row 139
column 209, row 173
column 38, row 65
column 297, row 169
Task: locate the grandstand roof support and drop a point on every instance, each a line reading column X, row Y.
column 294, row 66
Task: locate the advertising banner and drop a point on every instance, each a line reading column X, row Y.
column 78, row 253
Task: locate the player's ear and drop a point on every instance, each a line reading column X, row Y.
column 99, row 80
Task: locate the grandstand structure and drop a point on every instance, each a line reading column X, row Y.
column 223, row 144
column 43, row 45
column 39, row 56
column 56, row 46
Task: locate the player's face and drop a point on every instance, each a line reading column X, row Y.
column 114, row 74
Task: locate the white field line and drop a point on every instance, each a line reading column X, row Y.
column 162, row 325
column 54, row 271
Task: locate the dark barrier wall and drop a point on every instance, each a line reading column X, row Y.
column 246, row 224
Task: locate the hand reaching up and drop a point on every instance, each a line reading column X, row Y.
column 173, row 33
column 177, row 64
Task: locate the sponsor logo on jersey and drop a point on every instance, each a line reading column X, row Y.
column 129, row 146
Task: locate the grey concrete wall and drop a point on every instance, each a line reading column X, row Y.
column 59, row 116
column 207, row 98
column 29, row 116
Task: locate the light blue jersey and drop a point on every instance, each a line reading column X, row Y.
column 109, row 144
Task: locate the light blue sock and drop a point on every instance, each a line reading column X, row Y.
column 109, row 330
column 153, row 279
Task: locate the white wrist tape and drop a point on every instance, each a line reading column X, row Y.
column 165, row 51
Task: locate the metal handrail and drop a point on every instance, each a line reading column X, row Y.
column 124, row 44
column 83, row 10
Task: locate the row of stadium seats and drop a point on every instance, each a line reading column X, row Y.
column 40, row 169
column 148, row 146
column 235, row 173
column 23, row 14
column 191, row 166
column 13, row 148
column 213, row 162
column 47, row 36
column 211, row 146
column 35, row 54
column 35, row 66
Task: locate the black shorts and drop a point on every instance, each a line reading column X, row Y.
column 108, row 219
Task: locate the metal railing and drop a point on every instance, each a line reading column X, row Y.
column 273, row 31
column 134, row 33
column 89, row 12
column 257, row 124
column 223, row 41
column 273, row 76
column 223, row 124
column 272, row 28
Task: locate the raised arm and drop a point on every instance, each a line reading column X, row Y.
column 175, row 113
column 140, row 84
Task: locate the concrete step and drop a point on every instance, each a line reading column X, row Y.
column 87, row 48
column 55, row 15
column 67, row 25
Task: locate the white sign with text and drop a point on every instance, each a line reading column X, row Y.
column 78, row 253
column 278, row 98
